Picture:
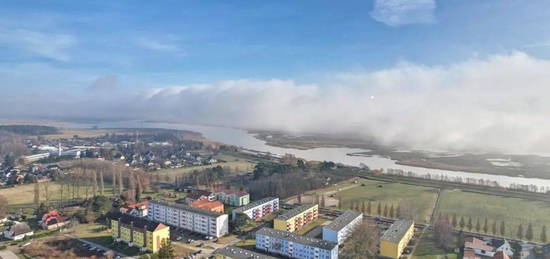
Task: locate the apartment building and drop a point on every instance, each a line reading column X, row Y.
column 233, row 197
column 139, row 232
column 258, row 209
column 295, row 246
column 295, row 219
column 342, row 227
column 233, row 252
column 190, row 218
column 396, row 238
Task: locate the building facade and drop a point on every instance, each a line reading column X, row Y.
column 233, row 197
column 342, row 227
column 396, row 238
column 295, row 246
column 258, row 209
column 190, row 218
column 295, row 219
column 139, row 232
column 233, row 252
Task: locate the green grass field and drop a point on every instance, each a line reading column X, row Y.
column 232, row 163
column 426, row 249
column 422, row 199
column 513, row 211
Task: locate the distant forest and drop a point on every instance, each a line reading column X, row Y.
column 29, row 129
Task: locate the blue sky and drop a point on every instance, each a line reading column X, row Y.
column 64, row 46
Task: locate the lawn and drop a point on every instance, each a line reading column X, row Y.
column 235, row 165
column 511, row 211
column 22, row 196
column 427, row 249
column 422, row 199
column 310, row 226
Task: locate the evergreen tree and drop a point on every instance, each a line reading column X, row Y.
column 386, row 210
column 529, row 232
column 486, row 226
column 369, row 209
column 519, row 234
column 392, row 212
column 494, row 228
column 379, row 209
column 363, row 207
column 36, row 194
column 478, row 225
column 470, row 226
column 502, row 229
column 166, row 250
column 462, row 223
column 453, row 221
column 543, row 237
column 398, row 211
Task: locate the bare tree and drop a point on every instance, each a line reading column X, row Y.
column 443, row 233
column 36, row 193
column 363, row 242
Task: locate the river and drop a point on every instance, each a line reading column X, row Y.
column 242, row 138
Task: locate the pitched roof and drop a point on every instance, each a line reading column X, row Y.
column 475, row 243
column 397, row 230
column 469, row 254
column 206, row 204
column 20, row 228
column 137, row 223
column 292, row 237
column 136, row 205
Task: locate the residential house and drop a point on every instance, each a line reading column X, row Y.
column 342, row 227
column 395, row 239
column 214, row 206
column 18, row 231
column 480, row 247
column 139, row 232
column 233, row 197
column 258, row 209
column 136, row 209
column 501, row 255
column 293, row 245
column 502, row 245
column 295, row 219
column 53, row 220
column 196, row 195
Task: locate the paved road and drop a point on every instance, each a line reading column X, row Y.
column 7, row 254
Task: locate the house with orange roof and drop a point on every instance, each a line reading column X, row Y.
column 136, row 209
column 214, row 206
column 53, row 220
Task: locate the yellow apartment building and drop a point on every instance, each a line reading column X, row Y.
column 295, row 219
column 396, row 238
column 139, row 232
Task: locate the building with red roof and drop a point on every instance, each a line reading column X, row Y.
column 53, row 220
column 136, row 209
column 214, row 206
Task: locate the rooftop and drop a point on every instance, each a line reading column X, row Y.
column 186, row 207
column 292, row 237
column 293, row 212
column 239, row 253
column 397, row 230
column 254, row 204
column 343, row 220
column 136, row 222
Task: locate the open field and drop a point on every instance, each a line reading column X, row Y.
column 233, row 164
column 422, row 199
column 511, row 211
column 427, row 249
column 22, row 196
column 84, row 133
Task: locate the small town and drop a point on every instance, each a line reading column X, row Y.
column 143, row 193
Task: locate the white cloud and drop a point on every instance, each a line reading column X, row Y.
column 157, row 45
column 493, row 104
column 104, row 83
column 49, row 45
column 401, row 12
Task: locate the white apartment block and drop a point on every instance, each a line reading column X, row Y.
column 295, row 246
column 190, row 218
column 342, row 227
column 258, row 209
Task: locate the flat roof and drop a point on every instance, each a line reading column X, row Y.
column 292, row 237
column 240, row 253
column 186, row 207
column 255, row 204
column 397, row 230
column 293, row 212
column 343, row 220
